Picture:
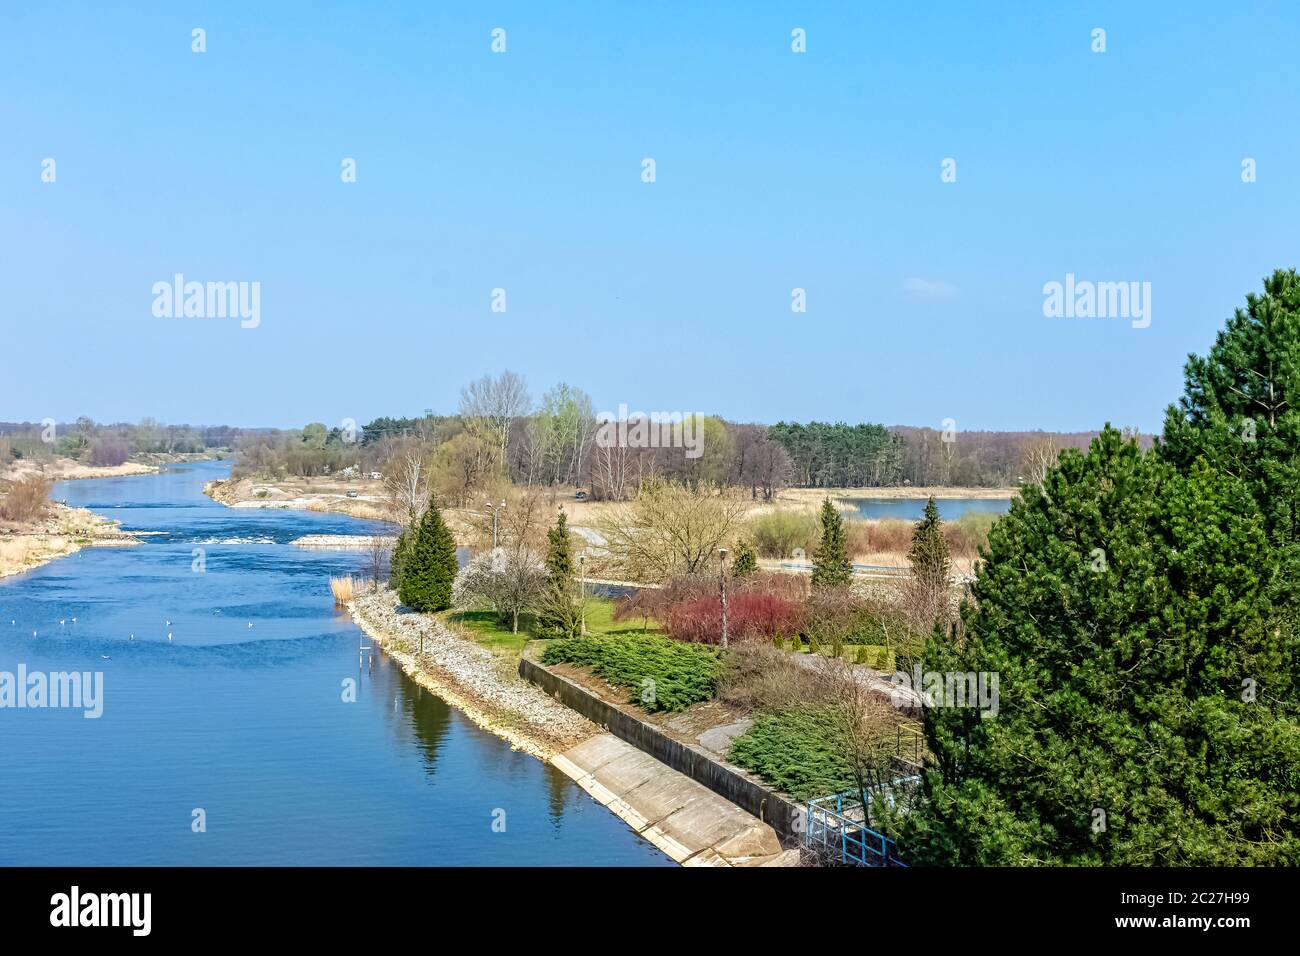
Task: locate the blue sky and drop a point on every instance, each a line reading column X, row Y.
column 523, row 171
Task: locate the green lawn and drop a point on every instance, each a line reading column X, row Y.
column 483, row 627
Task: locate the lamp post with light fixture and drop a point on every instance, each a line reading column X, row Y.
column 722, row 582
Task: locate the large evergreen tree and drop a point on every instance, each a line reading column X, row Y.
column 428, row 567
column 831, row 565
column 1240, row 411
column 1147, row 686
column 396, row 561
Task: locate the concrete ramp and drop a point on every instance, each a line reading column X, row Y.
column 685, row 819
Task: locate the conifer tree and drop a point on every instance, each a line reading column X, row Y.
column 831, row 565
column 559, row 553
column 396, row 561
column 558, row 613
column 428, row 566
column 1240, row 410
column 746, row 562
column 1146, row 698
column 929, row 553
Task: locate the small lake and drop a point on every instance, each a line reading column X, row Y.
column 249, row 724
column 911, row 509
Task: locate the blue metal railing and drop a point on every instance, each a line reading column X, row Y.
column 829, row 830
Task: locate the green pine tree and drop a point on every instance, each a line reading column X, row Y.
column 559, row 553
column 746, row 562
column 929, row 553
column 1147, row 698
column 831, row 565
column 429, row 566
column 558, row 612
column 395, row 562
column 1240, row 411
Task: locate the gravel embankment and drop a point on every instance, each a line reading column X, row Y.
column 470, row 677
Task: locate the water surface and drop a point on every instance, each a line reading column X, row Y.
column 249, row 724
column 911, row 509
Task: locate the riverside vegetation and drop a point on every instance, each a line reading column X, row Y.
column 1138, row 602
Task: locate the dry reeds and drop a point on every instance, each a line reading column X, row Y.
column 344, row 589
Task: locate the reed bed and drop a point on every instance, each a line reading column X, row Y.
column 344, row 589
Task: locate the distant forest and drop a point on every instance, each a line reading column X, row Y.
column 554, row 443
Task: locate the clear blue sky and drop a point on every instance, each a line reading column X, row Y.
column 522, row 171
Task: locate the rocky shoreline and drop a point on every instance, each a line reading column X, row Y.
column 471, row 678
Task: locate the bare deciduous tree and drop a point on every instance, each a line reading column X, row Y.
column 406, row 480
column 1037, row 457
column 670, row 529
column 510, row 579
column 496, row 403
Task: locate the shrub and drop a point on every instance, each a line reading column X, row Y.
column 969, row 533
column 109, row 451
column 756, row 677
column 884, row 536
column 796, row 752
column 749, row 616
column 28, row 500
column 678, row 674
column 777, row 533
column 746, row 562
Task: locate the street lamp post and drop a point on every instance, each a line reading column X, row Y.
column 722, row 581
column 582, row 591
column 494, row 512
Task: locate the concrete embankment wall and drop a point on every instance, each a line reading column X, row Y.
column 779, row 813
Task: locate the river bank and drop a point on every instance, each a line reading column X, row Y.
column 63, row 532
column 69, row 469
column 474, row 680
column 686, row 820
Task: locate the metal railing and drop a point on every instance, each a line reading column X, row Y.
column 835, row 826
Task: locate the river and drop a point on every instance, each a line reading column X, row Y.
column 911, row 509
column 249, row 725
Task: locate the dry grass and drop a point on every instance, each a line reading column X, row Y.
column 61, row 532
column 344, row 589
column 27, row 501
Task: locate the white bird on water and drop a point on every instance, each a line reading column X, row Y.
column 169, row 635
column 131, row 638
column 168, row 623
column 74, row 620
column 61, row 623
column 250, row 624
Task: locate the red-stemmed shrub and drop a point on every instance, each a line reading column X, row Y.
column 749, row 616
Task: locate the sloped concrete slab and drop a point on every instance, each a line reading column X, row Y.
column 688, row 821
column 595, row 752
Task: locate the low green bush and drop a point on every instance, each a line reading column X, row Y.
column 681, row 674
column 777, row 533
column 796, row 752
